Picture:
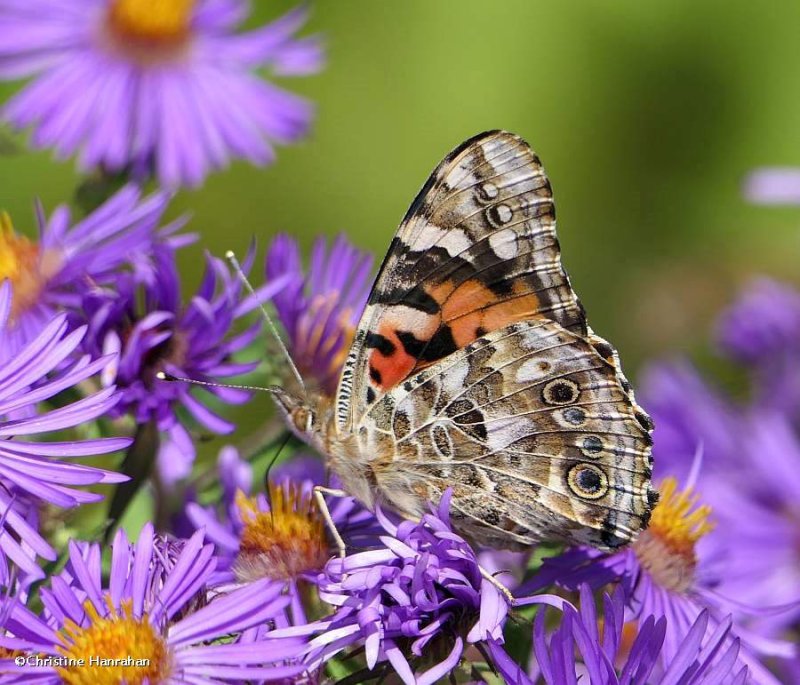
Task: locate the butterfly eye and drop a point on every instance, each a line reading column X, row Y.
column 303, row 419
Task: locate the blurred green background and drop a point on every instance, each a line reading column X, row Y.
column 647, row 117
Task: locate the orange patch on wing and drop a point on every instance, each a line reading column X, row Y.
column 396, row 366
column 472, row 309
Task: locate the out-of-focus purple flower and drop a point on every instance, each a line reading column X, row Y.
column 147, row 323
column 758, row 512
column 585, row 648
column 320, row 310
column 773, row 186
column 170, row 89
column 156, row 607
column 35, row 472
column 762, row 330
column 690, row 417
column 763, row 322
column 421, row 593
column 51, row 275
column 279, row 534
column 667, row 573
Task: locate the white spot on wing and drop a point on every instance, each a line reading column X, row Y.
column 530, row 371
column 455, row 378
column 504, row 243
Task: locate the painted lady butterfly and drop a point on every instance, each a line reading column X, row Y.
column 473, row 368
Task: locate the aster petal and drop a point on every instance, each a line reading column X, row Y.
column 263, row 599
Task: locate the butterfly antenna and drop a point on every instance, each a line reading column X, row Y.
column 162, row 376
column 231, row 257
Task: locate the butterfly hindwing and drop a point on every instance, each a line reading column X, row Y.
column 534, row 432
column 476, row 251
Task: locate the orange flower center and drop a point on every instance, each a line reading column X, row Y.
column 667, row 548
column 283, row 542
column 22, row 264
column 117, row 648
column 157, row 22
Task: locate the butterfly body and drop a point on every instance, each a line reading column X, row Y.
column 473, row 368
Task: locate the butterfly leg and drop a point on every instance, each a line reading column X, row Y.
column 493, row 580
column 319, row 495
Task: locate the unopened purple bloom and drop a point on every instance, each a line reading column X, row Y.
column 155, row 607
column 152, row 329
column 421, row 593
column 35, row 472
column 320, row 307
column 51, row 275
column 773, row 186
column 154, row 87
column 584, row 646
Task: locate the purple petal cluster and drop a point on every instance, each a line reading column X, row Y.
column 319, row 308
column 421, row 593
column 773, row 186
column 147, row 323
column 762, row 331
column 173, row 93
column 584, row 644
column 663, row 578
column 35, row 471
column 53, row 274
column 750, row 452
column 156, row 605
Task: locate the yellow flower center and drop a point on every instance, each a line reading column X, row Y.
column 159, row 22
column 283, row 542
column 667, row 548
column 22, row 264
column 114, row 649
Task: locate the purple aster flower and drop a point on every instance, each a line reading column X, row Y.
column 758, row 515
column 765, row 321
column 35, row 472
column 419, row 596
column 668, row 572
column 762, row 330
column 603, row 649
column 320, row 310
column 155, row 614
column 164, row 87
column 50, row 275
column 154, row 331
column 773, row 186
column 279, row 534
column 691, row 416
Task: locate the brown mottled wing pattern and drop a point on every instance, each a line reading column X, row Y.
column 534, row 431
column 476, row 251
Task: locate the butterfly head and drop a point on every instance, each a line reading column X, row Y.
column 303, row 414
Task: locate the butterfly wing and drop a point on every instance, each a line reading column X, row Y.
column 533, row 430
column 476, row 251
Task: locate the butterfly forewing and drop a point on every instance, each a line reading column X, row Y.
column 476, row 251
